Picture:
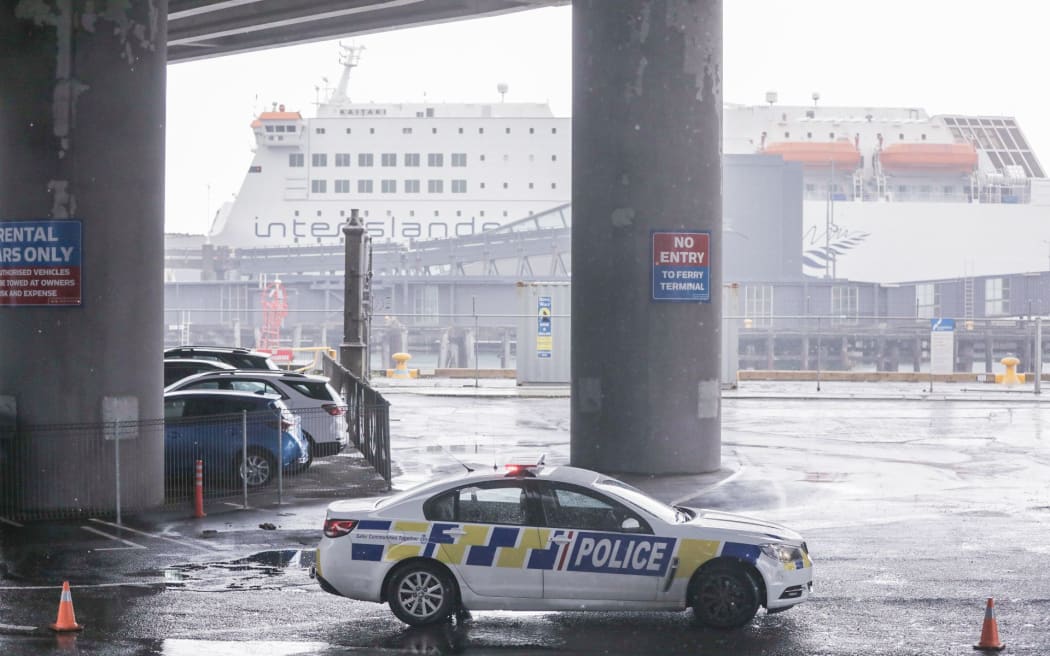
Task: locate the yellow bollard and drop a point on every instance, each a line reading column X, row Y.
column 401, row 369
column 1011, row 377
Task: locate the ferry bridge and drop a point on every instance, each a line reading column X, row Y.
column 82, row 132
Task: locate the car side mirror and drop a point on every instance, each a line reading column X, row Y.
column 630, row 524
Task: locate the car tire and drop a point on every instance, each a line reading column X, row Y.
column 261, row 468
column 421, row 593
column 311, row 445
column 724, row 596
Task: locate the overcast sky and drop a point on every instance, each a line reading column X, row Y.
column 945, row 56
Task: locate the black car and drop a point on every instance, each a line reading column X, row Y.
column 238, row 358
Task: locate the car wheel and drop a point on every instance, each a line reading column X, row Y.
column 257, row 469
column 725, row 596
column 421, row 593
column 312, row 447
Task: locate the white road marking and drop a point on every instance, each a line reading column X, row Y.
column 184, row 541
column 15, row 627
column 11, row 522
column 16, row 588
column 131, row 545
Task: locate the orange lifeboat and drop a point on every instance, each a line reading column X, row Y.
column 918, row 157
column 818, row 154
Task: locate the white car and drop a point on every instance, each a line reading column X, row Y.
column 555, row 538
column 311, row 398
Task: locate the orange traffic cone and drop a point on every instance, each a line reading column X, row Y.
column 990, row 630
column 66, row 621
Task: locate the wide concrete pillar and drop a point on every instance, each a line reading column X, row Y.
column 647, row 107
column 82, row 139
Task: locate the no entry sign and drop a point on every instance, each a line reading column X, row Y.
column 681, row 266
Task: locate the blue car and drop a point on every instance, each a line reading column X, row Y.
column 209, row 425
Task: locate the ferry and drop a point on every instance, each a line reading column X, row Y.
column 890, row 194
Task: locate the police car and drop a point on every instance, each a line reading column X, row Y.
column 555, row 538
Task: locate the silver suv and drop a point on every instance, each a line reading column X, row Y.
column 311, row 398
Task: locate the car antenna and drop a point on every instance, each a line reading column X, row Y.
column 465, row 466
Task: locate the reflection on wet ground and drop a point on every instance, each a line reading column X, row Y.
column 255, row 572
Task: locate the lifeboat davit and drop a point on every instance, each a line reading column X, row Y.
column 917, row 157
column 818, row 154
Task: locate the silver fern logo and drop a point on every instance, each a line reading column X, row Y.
column 820, row 248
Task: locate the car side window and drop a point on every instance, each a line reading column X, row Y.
column 251, row 386
column 501, row 504
column 576, row 508
column 204, row 384
column 173, row 408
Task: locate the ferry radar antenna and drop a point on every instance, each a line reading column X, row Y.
column 349, row 56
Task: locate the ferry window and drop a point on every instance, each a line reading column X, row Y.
column 481, row 130
column 809, row 135
column 318, row 186
column 342, row 159
column 411, row 159
column 459, row 159
column 461, row 130
column 459, row 186
column 388, row 186
column 554, row 130
column 901, row 136
column 482, row 158
column 296, row 159
column 342, row 186
column 482, row 213
column 949, row 191
column 435, row 186
column 430, row 112
column 365, row 159
column 435, row 159
column 389, row 159
column 532, row 130
column 531, row 185
column 319, row 159
column 433, row 130
column 269, row 128
column 278, row 128
column 482, row 185
column 554, row 185
column 508, row 130
column 532, row 158
column 411, row 186
column 406, row 130
column 371, row 130
column 831, row 135
column 554, row 158
column 504, row 213
column 319, row 130
column 504, row 185
column 364, row 186
column 996, row 296
column 459, row 213
column 348, row 130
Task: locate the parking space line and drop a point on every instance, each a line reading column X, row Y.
column 11, row 522
column 131, row 545
column 183, row 541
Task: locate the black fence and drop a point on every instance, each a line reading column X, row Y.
column 368, row 415
column 249, row 459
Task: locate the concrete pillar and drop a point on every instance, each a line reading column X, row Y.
column 82, row 139
column 647, row 104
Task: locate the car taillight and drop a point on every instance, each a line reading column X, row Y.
column 334, row 410
column 335, row 528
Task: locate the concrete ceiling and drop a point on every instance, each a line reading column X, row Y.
column 198, row 29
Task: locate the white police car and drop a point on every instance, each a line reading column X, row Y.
column 555, row 538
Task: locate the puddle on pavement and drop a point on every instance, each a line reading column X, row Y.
column 266, row 570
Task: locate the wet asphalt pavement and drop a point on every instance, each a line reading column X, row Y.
column 915, row 508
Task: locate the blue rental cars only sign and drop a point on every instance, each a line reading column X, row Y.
column 682, row 266
column 40, row 263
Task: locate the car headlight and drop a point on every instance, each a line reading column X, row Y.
column 784, row 553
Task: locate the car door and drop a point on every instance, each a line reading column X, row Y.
column 485, row 531
column 605, row 550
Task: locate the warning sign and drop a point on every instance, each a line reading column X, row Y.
column 681, row 266
column 544, row 339
column 40, row 263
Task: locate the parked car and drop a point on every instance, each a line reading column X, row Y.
column 236, row 357
column 556, row 538
column 209, row 425
column 177, row 369
column 318, row 406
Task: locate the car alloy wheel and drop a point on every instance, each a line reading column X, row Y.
column 257, row 469
column 725, row 597
column 421, row 594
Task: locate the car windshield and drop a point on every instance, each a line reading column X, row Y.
column 642, row 500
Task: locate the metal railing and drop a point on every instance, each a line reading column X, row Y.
column 368, row 415
column 80, row 470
